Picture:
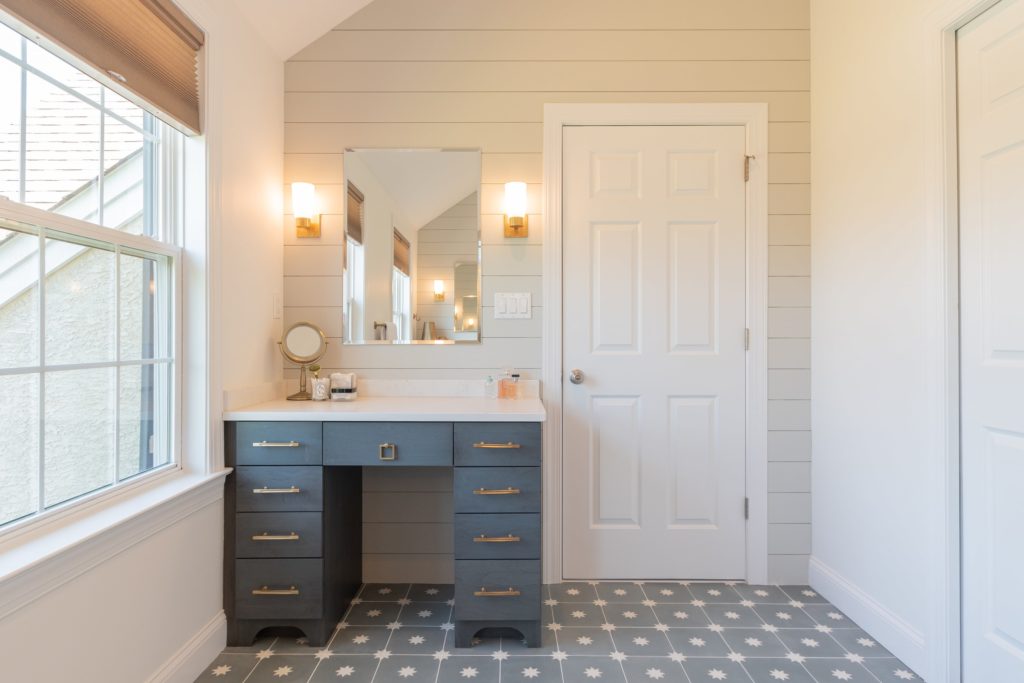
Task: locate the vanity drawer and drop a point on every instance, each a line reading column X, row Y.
column 496, row 444
column 278, row 534
column 497, row 537
column 497, row 489
column 278, row 589
column 284, row 489
column 388, row 443
column 278, row 443
column 511, row 589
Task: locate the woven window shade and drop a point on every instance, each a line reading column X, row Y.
column 147, row 50
column 354, row 221
column 401, row 253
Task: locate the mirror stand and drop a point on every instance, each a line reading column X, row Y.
column 303, row 343
column 302, row 394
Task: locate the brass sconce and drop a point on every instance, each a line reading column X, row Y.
column 307, row 220
column 438, row 290
column 516, row 220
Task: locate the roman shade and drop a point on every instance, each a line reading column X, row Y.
column 354, row 222
column 401, row 253
column 146, row 50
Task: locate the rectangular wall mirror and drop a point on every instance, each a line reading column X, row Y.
column 412, row 246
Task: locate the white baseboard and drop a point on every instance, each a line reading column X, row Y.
column 195, row 655
column 895, row 634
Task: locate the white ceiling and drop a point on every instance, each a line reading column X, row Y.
column 424, row 183
column 290, row 25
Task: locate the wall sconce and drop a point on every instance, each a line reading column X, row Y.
column 307, row 220
column 516, row 221
column 438, row 290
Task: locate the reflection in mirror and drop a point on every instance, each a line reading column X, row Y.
column 412, row 246
column 303, row 341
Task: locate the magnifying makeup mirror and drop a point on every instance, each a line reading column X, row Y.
column 303, row 344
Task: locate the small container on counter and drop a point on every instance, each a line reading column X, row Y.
column 321, row 388
column 343, row 386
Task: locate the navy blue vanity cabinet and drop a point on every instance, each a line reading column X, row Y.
column 293, row 532
column 497, row 495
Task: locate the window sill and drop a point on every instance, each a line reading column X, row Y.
column 35, row 563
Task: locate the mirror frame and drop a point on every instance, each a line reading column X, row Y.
column 303, row 360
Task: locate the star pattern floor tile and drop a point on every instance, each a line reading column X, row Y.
column 609, row 632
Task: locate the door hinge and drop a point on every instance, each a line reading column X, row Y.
column 746, row 167
column 746, row 339
column 746, row 508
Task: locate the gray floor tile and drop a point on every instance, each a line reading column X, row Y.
column 646, row 669
column 620, row 591
column 829, row 616
column 857, row 641
column 585, row 641
column 425, row 614
column 810, row 643
column 518, row 645
column 407, row 669
column 348, row 669
column 803, row 594
column 360, row 640
column 642, row 642
column 373, row 613
column 710, row 670
column 838, row 671
column 777, row 669
column 890, row 670
column 537, row 669
column 383, row 592
column 472, row 668
column 680, row 615
column 754, row 642
column 283, row 668
column 733, row 615
column 784, row 616
column 762, row 594
column 229, row 668
column 667, row 592
column 714, row 592
column 630, row 614
column 587, row 669
column 416, row 641
column 576, row 614
column 576, row 591
column 697, row 642
column 431, row 592
column 261, row 643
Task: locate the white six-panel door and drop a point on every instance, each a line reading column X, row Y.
column 654, row 317
column 990, row 55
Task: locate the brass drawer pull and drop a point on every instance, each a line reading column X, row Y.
column 276, row 537
column 276, row 444
column 267, row 489
column 496, row 539
column 497, row 492
column 484, row 593
column 483, row 444
column 291, row 590
column 390, row 448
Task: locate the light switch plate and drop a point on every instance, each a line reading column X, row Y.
column 513, row 305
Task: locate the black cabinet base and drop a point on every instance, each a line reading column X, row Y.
column 242, row 632
column 466, row 630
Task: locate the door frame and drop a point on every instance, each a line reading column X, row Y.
column 943, row 320
column 754, row 118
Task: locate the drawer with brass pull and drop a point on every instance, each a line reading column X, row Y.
column 278, row 589
column 497, row 489
column 388, row 443
column 278, row 443
column 497, row 444
column 278, row 534
column 285, row 489
column 497, row 536
column 497, row 589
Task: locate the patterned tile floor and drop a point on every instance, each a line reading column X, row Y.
column 608, row 631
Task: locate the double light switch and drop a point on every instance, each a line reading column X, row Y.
column 512, row 305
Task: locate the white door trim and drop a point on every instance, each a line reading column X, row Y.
column 943, row 320
column 754, row 117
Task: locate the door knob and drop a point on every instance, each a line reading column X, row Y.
column 576, row 376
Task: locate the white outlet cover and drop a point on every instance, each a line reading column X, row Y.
column 513, row 306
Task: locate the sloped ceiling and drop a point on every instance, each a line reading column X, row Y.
column 290, row 25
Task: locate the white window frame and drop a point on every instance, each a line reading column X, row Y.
column 48, row 222
column 401, row 308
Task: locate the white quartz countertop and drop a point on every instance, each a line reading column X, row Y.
column 394, row 409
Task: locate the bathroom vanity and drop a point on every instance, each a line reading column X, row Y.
column 293, row 507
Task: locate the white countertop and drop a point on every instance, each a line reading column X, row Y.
column 394, row 409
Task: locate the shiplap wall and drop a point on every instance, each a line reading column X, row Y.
column 464, row 73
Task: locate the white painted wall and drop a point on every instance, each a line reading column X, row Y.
column 876, row 551
column 149, row 601
column 404, row 73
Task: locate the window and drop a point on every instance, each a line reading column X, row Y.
column 353, row 284
column 89, row 250
column 400, row 305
